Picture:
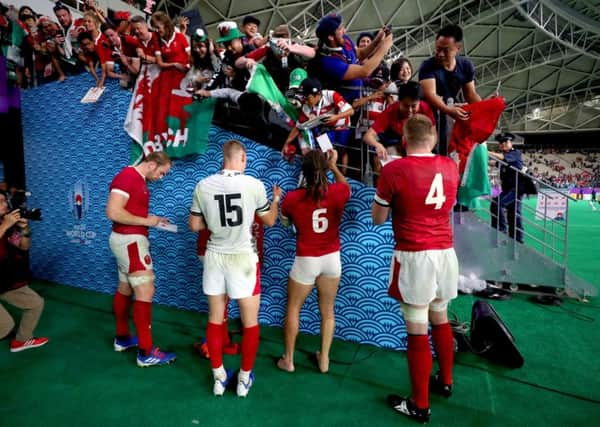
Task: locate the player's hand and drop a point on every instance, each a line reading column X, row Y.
column 277, row 192
column 203, row 93
column 23, row 223
column 154, row 220
column 250, row 63
column 185, row 22
column 288, row 151
column 332, row 156
column 11, row 218
column 381, row 152
column 283, row 45
column 458, row 113
column 180, row 67
column 331, row 121
column 388, row 41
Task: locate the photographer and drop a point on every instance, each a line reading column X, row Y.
column 15, row 240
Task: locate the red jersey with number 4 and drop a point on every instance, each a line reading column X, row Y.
column 318, row 224
column 421, row 191
column 131, row 184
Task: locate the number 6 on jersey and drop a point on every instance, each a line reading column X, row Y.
column 435, row 196
column 320, row 221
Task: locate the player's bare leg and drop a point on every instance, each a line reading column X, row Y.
column 327, row 288
column 297, row 294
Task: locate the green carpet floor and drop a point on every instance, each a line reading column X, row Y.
column 77, row 380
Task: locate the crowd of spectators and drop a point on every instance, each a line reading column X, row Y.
column 353, row 78
column 563, row 168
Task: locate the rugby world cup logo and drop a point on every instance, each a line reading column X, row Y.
column 79, row 200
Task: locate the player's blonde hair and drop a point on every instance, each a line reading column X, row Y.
column 419, row 131
column 159, row 157
column 232, row 149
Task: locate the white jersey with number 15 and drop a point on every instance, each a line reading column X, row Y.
column 228, row 201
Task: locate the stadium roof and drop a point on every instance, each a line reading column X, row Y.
column 544, row 54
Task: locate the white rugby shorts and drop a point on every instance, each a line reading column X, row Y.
column 306, row 269
column 132, row 252
column 237, row 275
column 420, row 277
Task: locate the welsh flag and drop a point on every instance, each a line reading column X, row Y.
column 161, row 114
column 467, row 136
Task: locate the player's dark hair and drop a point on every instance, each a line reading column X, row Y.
column 85, row 35
column 453, row 31
column 59, row 6
column 410, row 90
column 314, row 169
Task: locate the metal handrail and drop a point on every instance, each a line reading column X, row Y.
column 519, row 171
column 555, row 234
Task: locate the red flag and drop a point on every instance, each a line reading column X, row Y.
column 482, row 121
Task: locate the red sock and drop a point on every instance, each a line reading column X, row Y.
column 443, row 342
column 214, row 340
column 225, row 339
column 142, row 317
column 419, row 367
column 121, row 305
column 250, row 338
column 225, row 330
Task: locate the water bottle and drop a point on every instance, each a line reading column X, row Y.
column 284, row 62
column 368, row 176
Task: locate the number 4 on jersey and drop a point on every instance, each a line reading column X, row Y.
column 436, row 192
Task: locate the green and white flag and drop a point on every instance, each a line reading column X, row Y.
column 475, row 181
column 263, row 84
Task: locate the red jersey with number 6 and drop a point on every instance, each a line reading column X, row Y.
column 420, row 190
column 318, row 224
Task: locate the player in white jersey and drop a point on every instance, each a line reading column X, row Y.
column 225, row 203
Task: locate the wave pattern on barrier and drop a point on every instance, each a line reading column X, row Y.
column 67, row 148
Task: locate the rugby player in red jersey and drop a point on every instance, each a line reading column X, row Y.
column 420, row 190
column 316, row 210
column 127, row 208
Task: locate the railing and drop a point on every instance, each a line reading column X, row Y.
column 550, row 238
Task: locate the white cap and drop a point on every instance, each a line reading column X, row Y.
column 391, row 89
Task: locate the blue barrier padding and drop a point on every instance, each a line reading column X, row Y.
column 74, row 149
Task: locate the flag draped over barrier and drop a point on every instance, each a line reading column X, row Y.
column 467, row 136
column 263, row 84
column 161, row 114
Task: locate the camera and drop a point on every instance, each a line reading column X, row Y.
column 18, row 200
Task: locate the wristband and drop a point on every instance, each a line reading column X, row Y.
column 276, row 199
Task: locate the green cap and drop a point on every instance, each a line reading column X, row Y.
column 228, row 31
column 297, row 76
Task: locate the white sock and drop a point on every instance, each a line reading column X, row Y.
column 244, row 376
column 220, row 373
